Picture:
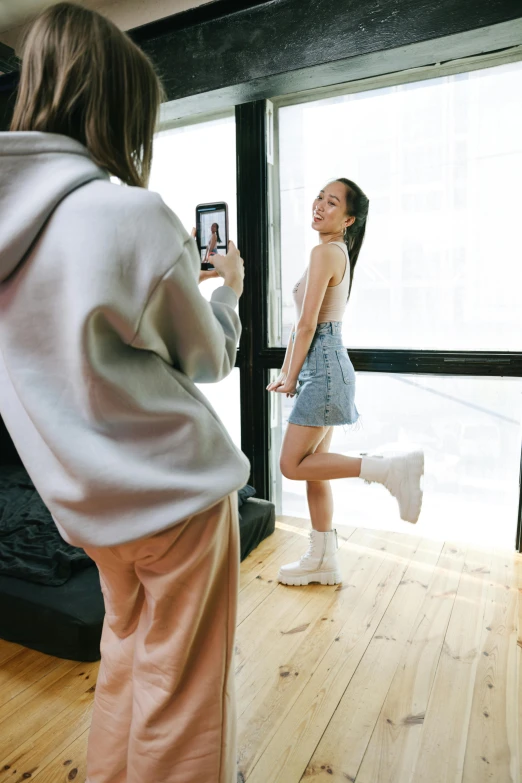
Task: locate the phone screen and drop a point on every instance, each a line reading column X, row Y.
column 212, row 231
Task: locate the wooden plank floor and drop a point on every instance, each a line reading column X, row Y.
column 408, row 672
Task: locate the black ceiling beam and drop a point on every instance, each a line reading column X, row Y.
column 236, row 55
column 230, row 52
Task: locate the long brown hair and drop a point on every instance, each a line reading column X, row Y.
column 83, row 77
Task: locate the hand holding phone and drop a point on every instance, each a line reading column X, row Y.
column 211, row 231
column 231, row 268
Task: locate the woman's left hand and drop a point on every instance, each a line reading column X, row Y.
column 289, row 388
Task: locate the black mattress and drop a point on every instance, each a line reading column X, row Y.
column 66, row 620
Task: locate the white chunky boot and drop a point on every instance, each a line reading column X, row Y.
column 318, row 564
column 401, row 475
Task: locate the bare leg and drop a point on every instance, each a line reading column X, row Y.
column 319, row 563
column 319, row 494
column 301, row 462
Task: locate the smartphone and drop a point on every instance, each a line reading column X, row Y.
column 211, row 231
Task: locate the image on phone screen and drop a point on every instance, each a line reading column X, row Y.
column 212, row 231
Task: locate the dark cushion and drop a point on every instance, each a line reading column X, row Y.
column 244, row 493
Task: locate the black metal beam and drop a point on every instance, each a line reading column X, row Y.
column 454, row 47
column 252, row 210
column 478, row 363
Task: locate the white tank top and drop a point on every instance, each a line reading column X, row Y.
column 335, row 296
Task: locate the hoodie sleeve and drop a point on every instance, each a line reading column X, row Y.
column 195, row 336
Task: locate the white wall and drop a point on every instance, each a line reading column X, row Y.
column 125, row 13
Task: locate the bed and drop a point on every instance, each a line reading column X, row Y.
column 50, row 596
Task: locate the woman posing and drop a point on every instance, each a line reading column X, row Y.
column 318, row 372
column 213, row 242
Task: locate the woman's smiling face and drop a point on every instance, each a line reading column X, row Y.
column 329, row 210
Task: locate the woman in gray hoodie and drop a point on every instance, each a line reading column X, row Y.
column 103, row 335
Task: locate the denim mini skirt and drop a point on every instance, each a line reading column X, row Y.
column 325, row 393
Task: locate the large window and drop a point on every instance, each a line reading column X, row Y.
column 192, row 165
column 470, row 431
column 441, row 161
column 441, row 270
column 196, row 164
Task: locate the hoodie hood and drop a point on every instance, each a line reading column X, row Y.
column 37, row 171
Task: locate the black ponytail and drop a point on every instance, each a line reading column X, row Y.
column 357, row 205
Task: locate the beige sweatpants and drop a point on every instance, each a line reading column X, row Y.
column 164, row 709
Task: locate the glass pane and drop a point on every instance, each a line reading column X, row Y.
column 470, row 431
column 225, row 399
column 441, row 161
column 194, row 165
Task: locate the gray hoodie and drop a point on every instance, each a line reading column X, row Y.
column 103, row 334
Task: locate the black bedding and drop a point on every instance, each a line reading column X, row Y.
column 66, row 621
column 31, row 547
